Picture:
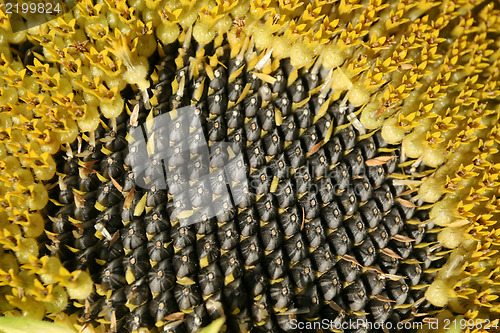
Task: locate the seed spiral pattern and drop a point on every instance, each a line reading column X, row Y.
column 321, row 228
column 368, row 133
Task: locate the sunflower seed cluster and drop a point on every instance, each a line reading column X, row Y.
column 314, row 227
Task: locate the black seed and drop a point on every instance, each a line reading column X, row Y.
column 331, row 215
column 333, row 150
column 347, row 137
column 302, row 179
column 156, row 196
column 297, row 90
column 139, row 318
column 406, row 212
column 349, row 270
column 366, row 252
column 281, row 293
column 340, row 241
column 267, row 118
column 320, row 165
column 182, row 236
column 108, row 195
column 296, row 248
column 404, row 249
column 340, row 176
column 303, row 116
column 210, row 279
column 398, row 291
column 256, row 155
column 266, row 207
column 415, row 231
column 376, row 175
column 280, row 84
column 208, row 249
column 201, row 193
column 356, row 229
column 310, row 299
column 159, row 247
column 330, row 284
column 138, row 292
column 339, row 113
column 413, row 273
column 256, row 280
column 108, row 253
column 393, row 222
column 283, row 103
column 285, row 193
column 323, row 258
column 356, row 296
column 349, row 201
column 228, row 236
column 325, row 190
column 388, row 264
column 205, row 225
column 374, row 281
column 302, row 273
column 252, row 130
column 235, row 89
column 355, row 162
column 291, row 221
column 260, row 181
column 112, row 166
column 380, row 237
column 273, row 143
column 363, row 189
column 251, row 104
column 185, row 262
column 251, row 250
column 368, row 147
column 248, row 222
column 137, row 262
column 312, row 80
column 220, row 78
column 86, row 236
column 235, row 116
column 370, row 213
column 116, row 303
column 187, row 296
column 219, row 155
column 177, row 181
column 309, row 139
column 275, row 264
column 379, row 310
column 112, row 275
column 289, row 129
column 231, row 264
column 197, row 319
column 391, row 165
column 162, row 305
column 133, row 235
column 384, row 198
column 86, row 260
column 314, row 232
column 216, row 129
column 161, row 277
column 310, row 204
column 271, row 236
column 234, row 296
